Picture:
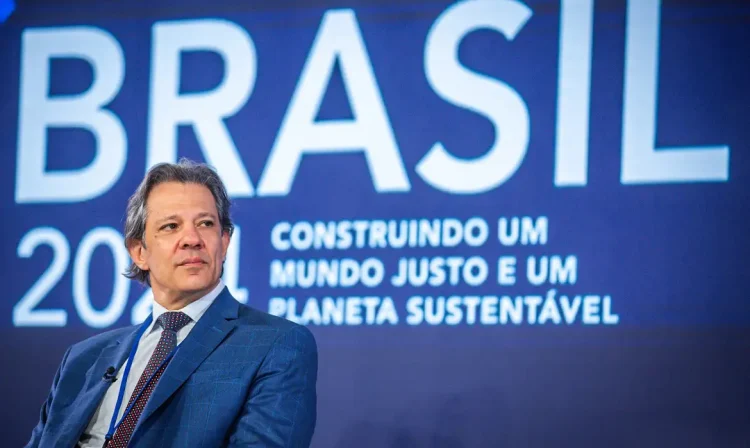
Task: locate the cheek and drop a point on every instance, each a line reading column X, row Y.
column 219, row 253
column 215, row 245
column 161, row 254
column 224, row 243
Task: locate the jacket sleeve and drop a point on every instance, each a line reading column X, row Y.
column 36, row 433
column 280, row 410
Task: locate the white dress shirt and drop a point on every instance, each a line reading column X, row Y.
column 93, row 435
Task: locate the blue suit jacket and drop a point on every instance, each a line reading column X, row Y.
column 240, row 378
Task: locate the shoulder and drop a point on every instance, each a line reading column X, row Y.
column 97, row 342
column 275, row 330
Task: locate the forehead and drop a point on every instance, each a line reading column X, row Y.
column 170, row 198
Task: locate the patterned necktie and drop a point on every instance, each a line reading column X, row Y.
column 171, row 322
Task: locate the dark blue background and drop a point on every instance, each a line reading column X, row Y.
column 672, row 373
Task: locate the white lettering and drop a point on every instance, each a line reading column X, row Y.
column 478, row 93
column 642, row 163
column 205, row 111
column 338, row 39
column 37, row 112
column 574, row 93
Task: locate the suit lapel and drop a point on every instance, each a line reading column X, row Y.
column 80, row 413
column 115, row 354
column 212, row 328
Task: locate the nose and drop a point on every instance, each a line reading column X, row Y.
column 191, row 238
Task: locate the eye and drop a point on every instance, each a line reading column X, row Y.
column 207, row 223
column 168, row 226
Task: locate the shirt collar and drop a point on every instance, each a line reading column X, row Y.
column 194, row 310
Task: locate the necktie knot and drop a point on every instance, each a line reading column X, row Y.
column 173, row 320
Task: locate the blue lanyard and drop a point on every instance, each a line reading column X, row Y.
column 114, row 424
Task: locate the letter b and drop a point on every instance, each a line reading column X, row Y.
column 38, row 111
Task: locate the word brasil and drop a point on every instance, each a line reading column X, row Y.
column 340, row 41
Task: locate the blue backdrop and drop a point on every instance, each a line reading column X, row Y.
column 506, row 223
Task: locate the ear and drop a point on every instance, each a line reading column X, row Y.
column 137, row 252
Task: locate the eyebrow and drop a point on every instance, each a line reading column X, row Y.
column 166, row 218
column 177, row 217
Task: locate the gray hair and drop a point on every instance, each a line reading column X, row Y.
column 187, row 172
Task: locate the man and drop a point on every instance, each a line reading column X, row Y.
column 203, row 370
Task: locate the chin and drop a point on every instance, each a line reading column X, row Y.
column 196, row 283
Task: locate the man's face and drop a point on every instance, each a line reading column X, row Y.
column 184, row 246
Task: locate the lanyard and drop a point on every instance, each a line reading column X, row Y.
column 114, row 424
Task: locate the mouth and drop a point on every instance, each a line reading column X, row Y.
column 192, row 262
